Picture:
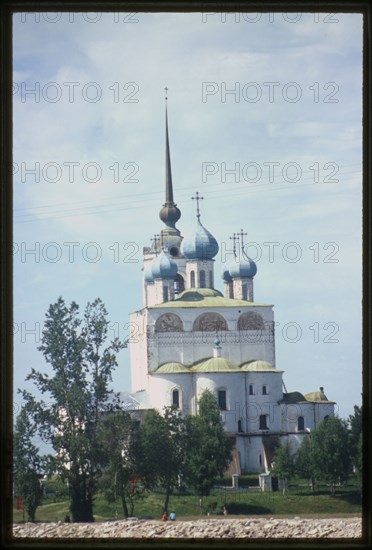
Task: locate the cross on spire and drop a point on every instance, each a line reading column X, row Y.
column 242, row 235
column 166, row 93
column 155, row 241
column 197, row 199
column 234, row 238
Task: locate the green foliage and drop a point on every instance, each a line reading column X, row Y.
column 28, row 465
column 355, row 422
column 117, row 435
column 208, row 449
column 283, row 462
column 304, row 461
column 160, row 450
column 77, row 393
column 331, row 451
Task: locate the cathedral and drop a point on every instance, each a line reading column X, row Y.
column 191, row 337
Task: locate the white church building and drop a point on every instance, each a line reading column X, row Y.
column 191, row 337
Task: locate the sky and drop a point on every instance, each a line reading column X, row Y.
column 264, row 121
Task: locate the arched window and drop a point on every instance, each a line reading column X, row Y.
column 250, row 389
column 301, row 424
column 263, row 422
column 240, row 429
column 192, row 279
column 260, row 459
column 245, row 291
column 176, row 399
column 202, row 278
column 264, row 390
column 222, row 400
column 231, row 290
column 211, row 282
column 179, row 282
column 165, row 294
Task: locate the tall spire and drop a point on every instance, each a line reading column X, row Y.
column 169, row 214
column 168, row 168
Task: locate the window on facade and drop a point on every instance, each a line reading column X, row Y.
column 202, row 278
column 263, row 422
column 192, row 279
column 260, row 459
column 231, row 290
column 245, row 292
column 211, row 279
column 326, row 417
column 300, row 423
column 176, row 399
column 250, row 389
column 264, row 390
column 165, row 294
column 179, row 283
column 240, row 429
column 222, row 400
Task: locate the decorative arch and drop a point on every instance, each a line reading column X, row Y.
column 169, row 322
column 251, row 321
column 210, row 322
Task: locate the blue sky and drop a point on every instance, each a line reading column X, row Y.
column 93, row 132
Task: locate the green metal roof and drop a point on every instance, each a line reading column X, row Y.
column 205, row 297
column 258, row 366
column 317, row 397
column 215, row 364
column 171, row 368
column 293, row 397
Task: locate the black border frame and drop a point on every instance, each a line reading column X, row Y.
column 8, row 8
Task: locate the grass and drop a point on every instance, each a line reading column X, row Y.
column 296, row 502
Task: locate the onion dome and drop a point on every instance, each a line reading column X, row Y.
column 148, row 275
column 201, row 245
column 245, row 267
column 163, row 267
column 170, row 214
column 226, row 274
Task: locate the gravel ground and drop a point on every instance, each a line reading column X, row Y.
column 254, row 528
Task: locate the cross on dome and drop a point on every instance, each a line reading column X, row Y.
column 234, row 238
column 242, row 235
column 155, row 241
column 197, row 198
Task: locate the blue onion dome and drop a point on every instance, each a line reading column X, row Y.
column 226, row 274
column 163, row 266
column 148, row 275
column 201, row 245
column 243, row 267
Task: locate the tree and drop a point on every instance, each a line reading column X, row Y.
column 208, row 449
column 283, row 463
column 355, row 422
column 117, row 436
column 161, row 450
column 27, row 465
column 77, row 394
column 331, row 451
column 304, row 462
